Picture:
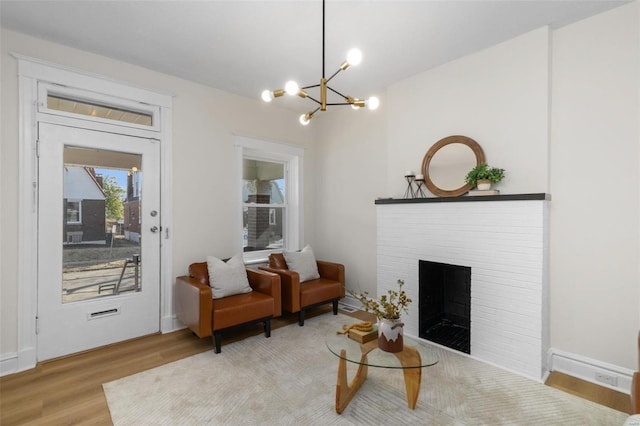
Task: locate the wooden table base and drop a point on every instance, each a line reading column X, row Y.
column 412, row 375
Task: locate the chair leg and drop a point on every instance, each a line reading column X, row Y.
column 267, row 328
column 301, row 317
column 217, row 341
column 335, row 307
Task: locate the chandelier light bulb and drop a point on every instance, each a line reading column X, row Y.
column 373, row 103
column 354, row 57
column 291, row 88
column 267, row 96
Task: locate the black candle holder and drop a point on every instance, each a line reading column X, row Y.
column 409, row 193
column 419, row 192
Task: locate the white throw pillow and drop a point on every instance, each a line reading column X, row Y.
column 303, row 262
column 227, row 279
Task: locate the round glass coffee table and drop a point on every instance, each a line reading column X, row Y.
column 411, row 360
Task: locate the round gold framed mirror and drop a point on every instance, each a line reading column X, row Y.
column 447, row 163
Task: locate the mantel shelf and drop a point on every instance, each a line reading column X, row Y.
column 465, row 198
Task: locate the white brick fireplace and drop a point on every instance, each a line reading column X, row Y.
column 504, row 239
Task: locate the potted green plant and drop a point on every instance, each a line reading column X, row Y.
column 388, row 309
column 482, row 176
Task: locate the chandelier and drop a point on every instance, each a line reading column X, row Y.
column 354, row 57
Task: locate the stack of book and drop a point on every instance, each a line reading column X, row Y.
column 363, row 336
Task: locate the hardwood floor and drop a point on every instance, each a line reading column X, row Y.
column 587, row 390
column 69, row 390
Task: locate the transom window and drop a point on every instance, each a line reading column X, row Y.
column 92, row 109
column 77, row 103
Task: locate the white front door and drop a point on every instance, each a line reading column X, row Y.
column 98, row 239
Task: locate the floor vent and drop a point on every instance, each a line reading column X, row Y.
column 348, row 308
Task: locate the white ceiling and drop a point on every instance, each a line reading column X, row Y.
column 244, row 47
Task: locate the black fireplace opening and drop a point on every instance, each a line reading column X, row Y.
column 445, row 304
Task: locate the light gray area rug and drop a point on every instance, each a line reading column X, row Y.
column 290, row 379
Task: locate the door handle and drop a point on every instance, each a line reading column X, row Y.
column 154, row 229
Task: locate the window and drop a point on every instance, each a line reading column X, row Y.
column 269, row 194
column 92, row 109
column 74, row 211
column 263, row 204
column 100, row 108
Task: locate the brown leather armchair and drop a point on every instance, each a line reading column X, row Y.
column 205, row 316
column 297, row 296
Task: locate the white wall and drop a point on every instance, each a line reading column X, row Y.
column 595, row 183
column 498, row 97
column 205, row 121
column 502, row 98
column 352, row 168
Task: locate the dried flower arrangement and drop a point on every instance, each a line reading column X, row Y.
column 388, row 306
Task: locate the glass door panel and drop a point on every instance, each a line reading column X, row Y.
column 101, row 242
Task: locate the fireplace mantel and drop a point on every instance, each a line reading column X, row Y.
column 466, row 198
column 504, row 240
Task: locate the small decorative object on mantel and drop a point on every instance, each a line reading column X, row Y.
column 388, row 309
column 419, row 192
column 482, row 176
column 409, row 176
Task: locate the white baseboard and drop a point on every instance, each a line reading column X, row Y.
column 586, row 369
column 175, row 325
column 8, row 363
column 169, row 323
column 15, row 362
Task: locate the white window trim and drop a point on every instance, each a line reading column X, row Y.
column 30, row 72
column 293, row 158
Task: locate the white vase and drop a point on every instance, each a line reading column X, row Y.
column 483, row 185
column 390, row 334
